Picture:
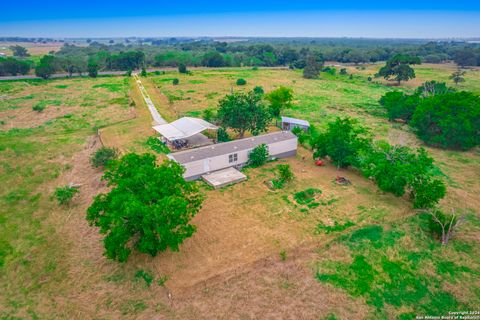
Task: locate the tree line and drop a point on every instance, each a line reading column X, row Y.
column 254, row 52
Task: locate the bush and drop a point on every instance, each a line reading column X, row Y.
column 38, row 107
column 147, row 277
column 222, row 135
column 449, row 120
column 427, row 192
column 400, row 105
column 156, row 145
column 343, row 71
column 65, row 194
column 143, row 73
column 258, row 90
column 102, row 156
column 258, row 156
column 175, row 81
column 283, row 176
column 208, row 114
column 241, row 82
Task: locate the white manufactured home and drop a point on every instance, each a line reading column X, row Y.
column 204, row 160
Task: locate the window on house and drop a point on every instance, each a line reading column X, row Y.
column 232, row 157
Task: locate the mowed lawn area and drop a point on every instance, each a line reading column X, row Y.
column 312, row 250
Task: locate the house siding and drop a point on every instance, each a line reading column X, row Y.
column 196, row 169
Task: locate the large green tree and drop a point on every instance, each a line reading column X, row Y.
column 148, row 208
column 313, row 66
column 398, row 67
column 19, row 51
column 280, row 98
column 449, row 120
column 46, row 67
column 244, row 112
column 342, row 142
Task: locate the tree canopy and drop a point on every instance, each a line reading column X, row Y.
column 449, row 120
column 243, row 112
column 399, row 68
column 280, row 98
column 46, row 67
column 148, row 208
column 342, row 141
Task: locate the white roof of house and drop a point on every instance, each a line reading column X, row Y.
column 183, row 128
column 296, row 121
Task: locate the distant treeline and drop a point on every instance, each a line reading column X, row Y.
column 252, row 52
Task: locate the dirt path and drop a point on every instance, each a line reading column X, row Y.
column 157, row 118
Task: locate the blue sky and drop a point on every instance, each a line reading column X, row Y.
column 400, row 19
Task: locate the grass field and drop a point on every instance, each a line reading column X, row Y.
column 345, row 252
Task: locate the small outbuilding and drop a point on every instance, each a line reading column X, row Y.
column 204, row 160
column 291, row 123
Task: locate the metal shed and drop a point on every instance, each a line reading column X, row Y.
column 200, row 161
column 290, row 123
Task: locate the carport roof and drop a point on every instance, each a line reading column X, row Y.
column 183, row 128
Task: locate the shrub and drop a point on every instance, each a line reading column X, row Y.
column 209, row 114
column 175, row 81
column 38, row 107
column 241, row 82
column 258, row 90
column 102, row 156
column 147, row 277
column 343, row 71
column 283, row 175
column 427, row 192
column 258, row 156
column 65, row 194
column 143, row 73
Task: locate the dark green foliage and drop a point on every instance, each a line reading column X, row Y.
column 103, row 156
column 398, row 169
column 465, row 57
column 312, row 67
column 280, row 98
column 143, row 275
column 343, row 71
column 148, row 208
column 342, row 142
column 399, row 67
column 19, row 51
column 258, row 90
column 175, row 81
column 213, row 59
column 258, row 156
column 330, row 70
column 65, row 194
column 39, row 107
column 243, row 112
column 427, row 192
column 209, row 114
column 241, row 82
column 182, row 68
column 11, row 67
column 46, row 67
column 143, row 73
column 450, row 120
column 222, row 135
column 92, row 68
column 335, row 228
column 306, row 196
column 157, row 145
column 399, row 105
